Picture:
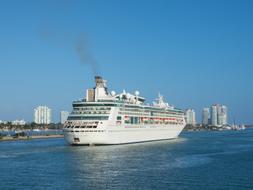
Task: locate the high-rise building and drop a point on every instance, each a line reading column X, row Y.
column 213, row 118
column 222, row 115
column 64, row 116
column 205, row 116
column 190, row 117
column 218, row 115
column 42, row 115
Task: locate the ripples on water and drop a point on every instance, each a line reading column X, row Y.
column 196, row 160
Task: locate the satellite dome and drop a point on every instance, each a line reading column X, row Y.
column 137, row 93
column 113, row 93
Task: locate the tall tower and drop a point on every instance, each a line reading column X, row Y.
column 190, row 117
column 205, row 116
column 224, row 115
column 214, row 119
column 42, row 115
column 219, row 115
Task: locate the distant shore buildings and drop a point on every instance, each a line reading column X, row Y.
column 3, row 122
column 18, row 122
column 63, row 116
column 216, row 115
column 15, row 122
column 190, row 117
column 42, row 115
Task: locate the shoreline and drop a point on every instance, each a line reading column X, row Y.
column 10, row 138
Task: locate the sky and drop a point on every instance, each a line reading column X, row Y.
column 195, row 53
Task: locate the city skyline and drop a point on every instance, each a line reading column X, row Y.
column 215, row 115
column 221, row 116
column 194, row 55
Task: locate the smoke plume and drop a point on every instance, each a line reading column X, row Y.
column 78, row 42
column 84, row 53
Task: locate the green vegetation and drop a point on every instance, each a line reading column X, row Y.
column 29, row 126
column 200, row 127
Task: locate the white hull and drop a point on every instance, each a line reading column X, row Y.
column 104, row 118
column 123, row 136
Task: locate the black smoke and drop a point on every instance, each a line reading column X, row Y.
column 77, row 42
column 84, row 53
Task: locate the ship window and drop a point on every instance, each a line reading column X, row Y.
column 119, row 118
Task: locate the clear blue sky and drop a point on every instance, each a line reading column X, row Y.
column 195, row 53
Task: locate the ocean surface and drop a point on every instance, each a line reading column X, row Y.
column 196, row 160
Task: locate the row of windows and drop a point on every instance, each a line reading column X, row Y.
column 134, row 113
column 163, row 123
column 147, row 112
column 92, row 105
column 166, row 114
column 137, row 120
column 85, row 131
column 134, row 109
column 158, row 123
column 85, row 104
column 88, row 118
column 82, row 127
column 90, row 112
column 93, row 108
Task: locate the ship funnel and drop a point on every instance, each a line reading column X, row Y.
column 100, row 82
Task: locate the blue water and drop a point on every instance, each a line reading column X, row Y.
column 34, row 133
column 197, row 160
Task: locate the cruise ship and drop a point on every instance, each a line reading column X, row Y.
column 106, row 118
